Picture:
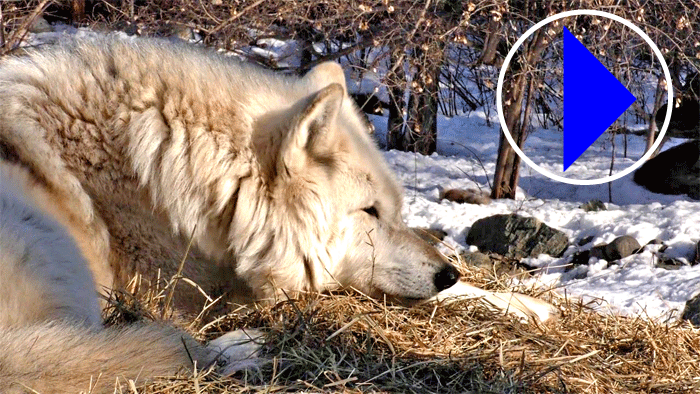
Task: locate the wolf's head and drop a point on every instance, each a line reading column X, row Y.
column 335, row 208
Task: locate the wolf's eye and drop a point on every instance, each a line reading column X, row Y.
column 372, row 211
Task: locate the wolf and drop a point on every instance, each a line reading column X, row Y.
column 146, row 144
column 51, row 338
column 118, row 154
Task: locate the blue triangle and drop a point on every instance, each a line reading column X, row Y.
column 593, row 99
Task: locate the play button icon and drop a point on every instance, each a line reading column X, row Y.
column 593, row 99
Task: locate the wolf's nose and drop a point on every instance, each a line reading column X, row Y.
column 446, row 277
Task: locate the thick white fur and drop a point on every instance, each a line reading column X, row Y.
column 145, row 144
column 51, row 337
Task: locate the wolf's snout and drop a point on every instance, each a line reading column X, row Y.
column 446, row 277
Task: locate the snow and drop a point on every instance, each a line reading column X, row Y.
column 466, row 158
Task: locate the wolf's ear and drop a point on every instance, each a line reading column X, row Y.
column 312, row 126
column 324, row 74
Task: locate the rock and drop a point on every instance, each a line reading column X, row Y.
column 670, row 264
column 468, row 196
column 585, row 240
column 593, row 206
column 684, row 120
column 40, row 25
column 515, row 236
column 477, row 259
column 685, row 117
column 429, row 235
column 691, row 312
column 177, row 31
column 579, row 258
column 674, row 171
column 621, row 247
column 598, row 251
column 131, row 29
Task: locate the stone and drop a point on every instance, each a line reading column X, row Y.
column 691, row 311
column 594, row 206
column 585, row 240
column 673, row 171
column 621, row 247
column 429, row 235
column 40, row 25
column 465, row 196
column 515, row 236
column 477, row 259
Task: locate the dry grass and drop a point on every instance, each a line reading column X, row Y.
column 347, row 343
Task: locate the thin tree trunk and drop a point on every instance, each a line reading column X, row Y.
column 522, row 135
column 397, row 86
column 77, row 10
column 423, row 104
column 507, row 158
column 493, row 37
column 651, row 134
column 506, row 176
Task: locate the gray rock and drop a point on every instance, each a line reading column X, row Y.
column 515, row 236
column 40, row 25
column 621, row 247
column 599, row 252
column 669, row 263
column 477, row 259
column 429, row 235
column 674, row 171
column 176, row 30
column 691, row 311
column 466, row 196
column 585, row 240
column 593, row 206
column 579, row 258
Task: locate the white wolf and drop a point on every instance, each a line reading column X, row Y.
column 275, row 178
column 133, row 147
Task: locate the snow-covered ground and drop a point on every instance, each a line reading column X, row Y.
column 466, row 158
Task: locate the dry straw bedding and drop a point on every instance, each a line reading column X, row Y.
column 345, row 342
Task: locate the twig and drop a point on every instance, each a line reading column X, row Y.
column 21, row 32
column 177, row 276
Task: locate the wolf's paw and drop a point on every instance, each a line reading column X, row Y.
column 237, row 351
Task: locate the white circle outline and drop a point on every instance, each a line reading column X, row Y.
column 547, row 173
